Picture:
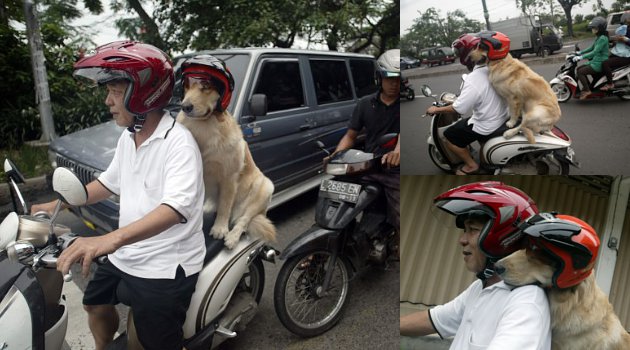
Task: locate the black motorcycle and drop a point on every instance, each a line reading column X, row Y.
column 350, row 233
column 406, row 89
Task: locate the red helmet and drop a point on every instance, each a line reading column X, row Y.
column 462, row 47
column 569, row 241
column 148, row 70
column 506, row 207
column 496, row 43
column 210, row 68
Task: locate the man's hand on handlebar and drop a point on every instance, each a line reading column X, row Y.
column 84, row 250
column 391, row 159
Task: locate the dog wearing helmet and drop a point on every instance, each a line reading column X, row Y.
column 560, row 256
column 527, row 94
column 235, row 187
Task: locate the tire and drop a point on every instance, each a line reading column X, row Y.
column 298, row 285
column 625, row 97
column 254, row 280
column 410, row 94
column 562, row 91
column 438, row 159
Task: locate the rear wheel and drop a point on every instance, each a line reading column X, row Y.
column 626, row 95
column 410, row 94
column 438, row 159
column 301, row 304
column 562, row 91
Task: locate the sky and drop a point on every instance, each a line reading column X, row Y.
column 497, row 9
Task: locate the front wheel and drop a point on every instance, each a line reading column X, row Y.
column 438, row 159
column 301, row 304
column 411, row 94
column 562, row 91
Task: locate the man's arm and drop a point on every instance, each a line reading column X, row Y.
column 392, row 158
column 85, row 249
column 348, row 140
column 416, row 324
column 96, row 193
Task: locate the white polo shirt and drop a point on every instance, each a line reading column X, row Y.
column 495, row 318
column 489, row 109
column 165, row 169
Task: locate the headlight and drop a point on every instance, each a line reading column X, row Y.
column 448, row 97
column 52, row 158
column 336, row 169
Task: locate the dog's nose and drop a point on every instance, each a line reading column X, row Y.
column 187, row 107
column 499, row 269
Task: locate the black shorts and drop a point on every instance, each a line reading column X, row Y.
column 461, row 134
column 159, row 305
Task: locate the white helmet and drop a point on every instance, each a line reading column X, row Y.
column 388, row 65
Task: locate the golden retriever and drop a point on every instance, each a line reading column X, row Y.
column 581, row 316
column 235, row 187
column 527, row 94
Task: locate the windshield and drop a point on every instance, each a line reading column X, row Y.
column 236, row 63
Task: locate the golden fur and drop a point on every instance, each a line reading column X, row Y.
column 235, row 187
column 582, row 318
column 527, row 94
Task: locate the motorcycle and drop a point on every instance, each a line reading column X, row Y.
column 551, row 154
column 226, row 297
column 350, row 233
column 566, row 85
column 406, row 89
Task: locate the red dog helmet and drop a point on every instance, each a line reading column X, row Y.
column 211, row 68
column 462, row 47
column 570, row 242
column 506, row 207
column 496, row 43
column 148, row 70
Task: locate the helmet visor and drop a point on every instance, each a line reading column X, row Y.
column 94, row 76
column 388, row 74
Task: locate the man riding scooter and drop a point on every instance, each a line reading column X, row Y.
column 489, row 110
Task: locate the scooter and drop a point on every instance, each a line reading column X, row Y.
column 566, row 85
column 551, row 154
column 350, row 233
column 406, row 89
column 226, row 297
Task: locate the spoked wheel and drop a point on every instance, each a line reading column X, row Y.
column 562, row 91
column 301, row 304
column 438, row 159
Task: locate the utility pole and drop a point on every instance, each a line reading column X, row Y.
column 40, row 78
column 486, row 15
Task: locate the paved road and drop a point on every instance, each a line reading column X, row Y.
column 599, row 128
column 370, row 320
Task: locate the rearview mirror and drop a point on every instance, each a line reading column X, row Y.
column 68, row 187
column 258, row 105
column 426, row 90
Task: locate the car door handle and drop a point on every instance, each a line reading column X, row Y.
column 305, row 126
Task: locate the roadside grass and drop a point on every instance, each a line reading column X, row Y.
column 31, row 161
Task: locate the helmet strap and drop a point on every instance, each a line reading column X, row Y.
column 488, row 270
column 137, row 123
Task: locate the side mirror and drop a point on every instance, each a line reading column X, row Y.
column 12, row 171
column 258, row 105
column 426, row 90
column 68, row 187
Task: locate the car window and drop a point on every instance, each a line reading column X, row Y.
column 331, row 80
column 363, row 76
column 281, row 82
column 448, row 51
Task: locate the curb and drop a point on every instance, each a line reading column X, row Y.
column 31, row 189
column 557, row 58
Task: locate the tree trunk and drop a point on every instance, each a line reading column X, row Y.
column 567, row 13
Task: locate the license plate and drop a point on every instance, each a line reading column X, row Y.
column 344, row 191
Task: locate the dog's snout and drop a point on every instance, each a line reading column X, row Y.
column 499, row 269
column 187, row 107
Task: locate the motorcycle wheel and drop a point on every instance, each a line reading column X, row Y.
column 562, row 91
column 298, row 299
column 438, row 159
column 625, row 97
column 410, row 95
column 254, row 280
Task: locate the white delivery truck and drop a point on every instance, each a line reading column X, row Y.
column 527, row 35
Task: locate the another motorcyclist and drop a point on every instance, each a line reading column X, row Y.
column 620, row 53
column 489, row 109
column 489, row 313
column 379, row 114
column 596, row 54
column 157, row 252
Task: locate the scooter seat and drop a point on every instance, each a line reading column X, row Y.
column 213, row 246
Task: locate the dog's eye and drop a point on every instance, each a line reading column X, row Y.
column 206, row 85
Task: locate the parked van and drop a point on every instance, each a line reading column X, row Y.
column 614, row 21
column 527, row 35
column 437, row 55
column 284, row 100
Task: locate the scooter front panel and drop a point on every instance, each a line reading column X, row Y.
column 16, row 322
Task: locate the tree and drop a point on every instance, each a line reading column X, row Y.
column 567, row 6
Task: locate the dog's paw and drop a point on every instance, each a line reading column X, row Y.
column 231, row 240
column 510, row 123
column 218, row 232
column 510, row 133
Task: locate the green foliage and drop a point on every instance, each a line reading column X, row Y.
column 430, row 29
column 73, row 107
column 32, row 161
